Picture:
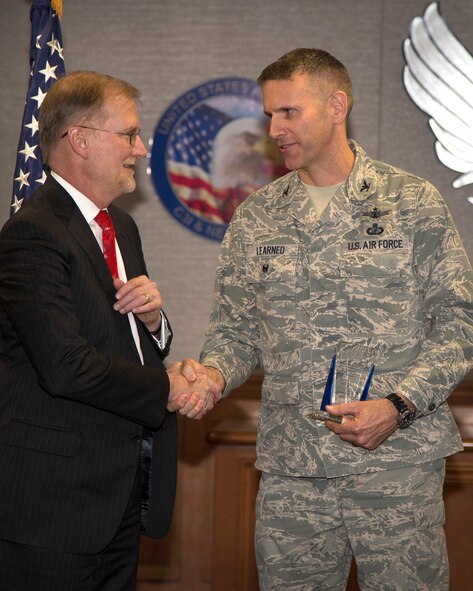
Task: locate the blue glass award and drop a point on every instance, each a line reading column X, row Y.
column 349, row 378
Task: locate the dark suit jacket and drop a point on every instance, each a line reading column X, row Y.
column 74, row 397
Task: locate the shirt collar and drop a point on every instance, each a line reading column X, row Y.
column 88, row 209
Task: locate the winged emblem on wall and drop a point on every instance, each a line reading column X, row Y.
column 439, row 79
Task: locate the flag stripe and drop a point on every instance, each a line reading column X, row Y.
column 47, row 65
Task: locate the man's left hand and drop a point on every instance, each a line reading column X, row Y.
column 141, row 296
column 365, row 424
column 193, row 392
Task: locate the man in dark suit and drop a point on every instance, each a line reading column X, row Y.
column 87, row 422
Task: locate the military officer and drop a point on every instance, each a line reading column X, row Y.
column 343, row 249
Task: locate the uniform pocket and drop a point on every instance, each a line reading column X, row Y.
column 381, row 293
column 374, row 264
column 281, row 269
column 430, row 515
column 273, row 280
column 275, row 391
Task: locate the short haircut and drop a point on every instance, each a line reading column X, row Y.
column 75, row 99
column 313, row 62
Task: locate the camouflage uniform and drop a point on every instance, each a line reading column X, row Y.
column 308, row 528
column 384, row 263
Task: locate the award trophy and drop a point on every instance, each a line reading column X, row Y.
column 349, row 378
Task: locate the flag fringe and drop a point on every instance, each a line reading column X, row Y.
column 57, row 7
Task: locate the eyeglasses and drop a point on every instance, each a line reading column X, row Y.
column 131, row 135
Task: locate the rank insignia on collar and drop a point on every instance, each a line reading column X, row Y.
column 376, row 213
column 286, row 191
column 365, row 186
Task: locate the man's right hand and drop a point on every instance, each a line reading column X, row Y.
column 194, row 388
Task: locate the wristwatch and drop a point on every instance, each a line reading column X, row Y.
column 406, row 416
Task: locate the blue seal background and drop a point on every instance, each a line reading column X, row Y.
column 185, row 134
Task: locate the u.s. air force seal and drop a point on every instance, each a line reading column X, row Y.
column 210, row 151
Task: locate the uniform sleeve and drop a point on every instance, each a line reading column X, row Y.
column 446, row 281
column 232, row 343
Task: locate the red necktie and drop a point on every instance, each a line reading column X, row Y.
column 104, row 220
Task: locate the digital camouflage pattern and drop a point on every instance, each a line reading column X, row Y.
column 392, row 521
column 383, row 264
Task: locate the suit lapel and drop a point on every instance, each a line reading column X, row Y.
column 66, row 209
column 128, row 249
column 82, row 232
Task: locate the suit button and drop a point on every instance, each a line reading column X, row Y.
column 432, row 406
column 135, row 437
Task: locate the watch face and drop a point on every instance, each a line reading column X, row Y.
column 406, row 419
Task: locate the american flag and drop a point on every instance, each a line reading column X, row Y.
column 214, row 161
column 189, row 153
column 47, row 65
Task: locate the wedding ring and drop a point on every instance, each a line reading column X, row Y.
column 146, row 297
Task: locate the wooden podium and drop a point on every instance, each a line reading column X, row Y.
column 210, row 545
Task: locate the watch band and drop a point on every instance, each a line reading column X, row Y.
column 398, row 402
column 405, row 416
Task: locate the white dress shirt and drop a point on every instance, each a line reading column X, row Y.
column 89, row 210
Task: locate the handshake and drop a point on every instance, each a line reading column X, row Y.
column 194, row 388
